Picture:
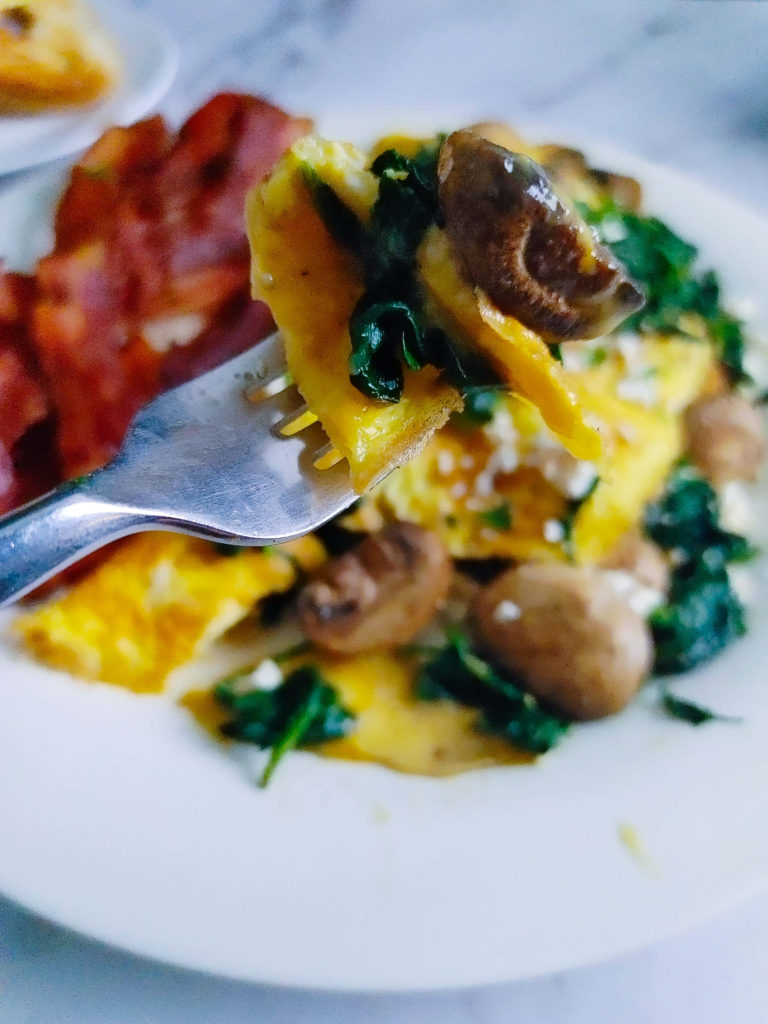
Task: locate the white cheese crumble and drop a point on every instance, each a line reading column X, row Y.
column 642, row 390
column 553, row 531
column 640, row 598
column 736, row 508
column 507, row 611
column 446, row 463
column 742, row 579
column 266, row 676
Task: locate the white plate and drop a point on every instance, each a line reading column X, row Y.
column 150, row 60
column 122, row 820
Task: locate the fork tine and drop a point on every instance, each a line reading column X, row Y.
column 201, row 459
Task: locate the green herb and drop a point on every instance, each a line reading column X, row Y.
column 458, row 673
column 702, row 614
column 479, row 407
column 687, row 519
column 302, row 711
column 342, row 224
column 557, row 351
column 499, row 517
column 596, row 356
column 701, row 617
column 692, row 713
column 663, row 264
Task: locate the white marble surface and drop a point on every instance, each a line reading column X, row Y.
column 681, row 81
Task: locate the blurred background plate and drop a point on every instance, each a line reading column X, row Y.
column 150, row 60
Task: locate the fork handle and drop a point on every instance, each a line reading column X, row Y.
column 48, row 534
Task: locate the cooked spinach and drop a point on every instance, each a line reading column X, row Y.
column 458, row 673
column 701, row 617
column 479, row 407
column 687, row 711
column 702, row 614
column 388, row 328
column 303, row 710
column 664, row 265
column 686, row 518
column 499, row 517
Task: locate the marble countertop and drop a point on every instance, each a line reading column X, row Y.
column 684, row 82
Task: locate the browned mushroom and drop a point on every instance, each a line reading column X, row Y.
column 515, row 239
column 379, row 594
column 565, row 632
column 725, row 437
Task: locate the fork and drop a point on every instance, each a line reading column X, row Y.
column 232, row 456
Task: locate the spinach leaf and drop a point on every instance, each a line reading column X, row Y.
column 663, row 264
column 686, row 519
column 457, row 673
column 692, row 713
column 381, row 332
column 303, row 710
column 499, row 517
column 388, row 328
column 702, row 616
column 479, row 407
column 343, row 226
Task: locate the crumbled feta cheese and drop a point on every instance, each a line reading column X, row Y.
column 736, row 508
column 640, row 598
column 742, row 579
column 266, row 676
column 554, row 531
column 571, row 476
column 446, row 463
column 459, row 489
column 642, row 390
column 507, row 611
column 501, row 430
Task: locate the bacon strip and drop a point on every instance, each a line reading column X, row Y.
column 150, row 226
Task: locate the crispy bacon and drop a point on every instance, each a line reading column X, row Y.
column 23, row 398
column 122, row 157
column 149, row 228
column 99, row 372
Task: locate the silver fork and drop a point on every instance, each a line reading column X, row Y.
column 211, row 458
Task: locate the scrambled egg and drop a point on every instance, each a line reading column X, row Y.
column 158, row 601
column 505, row 489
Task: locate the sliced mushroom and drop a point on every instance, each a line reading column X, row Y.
column 515, row 239
column 725, row 437
column 566, row 634
column 379, row 594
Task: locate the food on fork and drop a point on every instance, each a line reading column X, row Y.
column 53, row 54
column 404, row 279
